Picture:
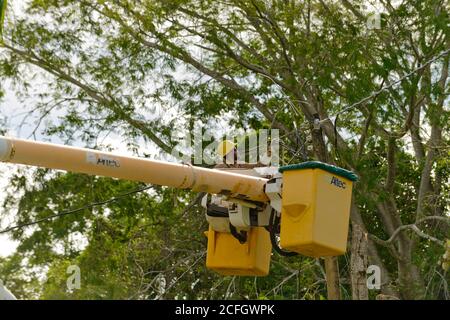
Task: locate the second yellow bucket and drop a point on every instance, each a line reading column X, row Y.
column 316, row 199
column 227, row 256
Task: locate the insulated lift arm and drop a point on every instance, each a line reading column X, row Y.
column 304, row 208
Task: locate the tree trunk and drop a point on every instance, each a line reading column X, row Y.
column 373, row 255
column 411, row 283
column 332, row 274
column 358, row 264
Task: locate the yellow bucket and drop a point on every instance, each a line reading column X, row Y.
column 316, row 200
column 227, row 256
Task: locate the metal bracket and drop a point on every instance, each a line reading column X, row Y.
column 273, row 192
column 216, row 213
column 239, row 216
column 221, row 211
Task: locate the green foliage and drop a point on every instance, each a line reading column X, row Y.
column 144, row 70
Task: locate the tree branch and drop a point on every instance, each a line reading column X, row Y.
column 413, row 227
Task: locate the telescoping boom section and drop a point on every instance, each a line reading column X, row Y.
column 301, row 209
column 107, row 164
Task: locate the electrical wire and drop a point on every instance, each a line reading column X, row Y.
column 274, row 230
column 240, row 236
column 389, row 86
column 88, row 206
column 354, row 105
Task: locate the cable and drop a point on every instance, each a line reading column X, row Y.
column 376, row 93
column 240, row 236
column 274, row 229
column 88, row 206
column 336, row 137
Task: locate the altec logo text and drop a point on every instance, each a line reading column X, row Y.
column 102, row 160
column 338, row 183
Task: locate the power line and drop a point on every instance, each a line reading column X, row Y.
column 100, row 203
column 389, row 86
column 374, row 95
column 88, row 206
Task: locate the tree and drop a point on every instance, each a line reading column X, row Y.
column 280, row 64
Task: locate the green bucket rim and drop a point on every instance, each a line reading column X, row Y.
column 320, row 165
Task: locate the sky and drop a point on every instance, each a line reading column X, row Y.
column 9, row 107
column 7, row 246
column 14, row 112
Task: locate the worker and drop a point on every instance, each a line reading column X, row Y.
column 229, row 153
